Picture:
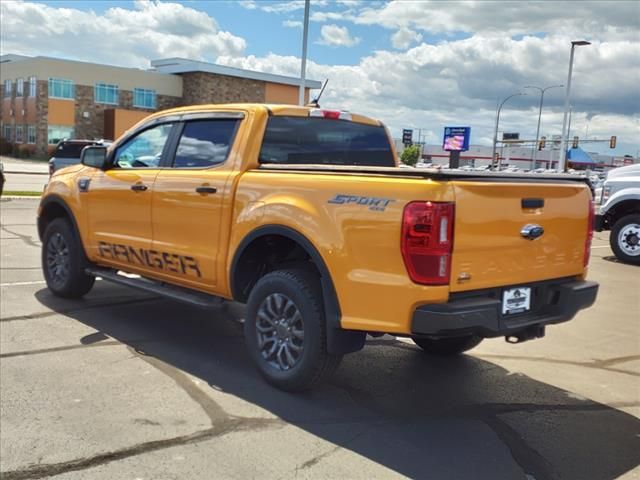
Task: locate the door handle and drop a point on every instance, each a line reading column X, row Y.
column 206, row 190
column 139, row 187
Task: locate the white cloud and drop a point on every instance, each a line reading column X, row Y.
column 335, row 36
column 404, row 37
column 459, row 82
column 248, row 4
column 129, row 37
column 286, row 7
column 292, row 24
column 506, row 18
column 321, row 17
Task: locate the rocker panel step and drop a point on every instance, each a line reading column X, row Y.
column 191, row 297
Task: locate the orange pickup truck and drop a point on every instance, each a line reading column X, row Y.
column 304, row 215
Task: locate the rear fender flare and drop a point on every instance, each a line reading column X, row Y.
column 339, row 341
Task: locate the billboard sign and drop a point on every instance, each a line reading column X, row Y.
column 407, row 136
column 510, row 136
column 456, row 139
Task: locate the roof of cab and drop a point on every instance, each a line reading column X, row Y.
column 274, row 109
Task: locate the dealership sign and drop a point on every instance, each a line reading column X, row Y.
column 407, row 136
column 456, row 139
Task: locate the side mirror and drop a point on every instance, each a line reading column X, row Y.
column 94, row 156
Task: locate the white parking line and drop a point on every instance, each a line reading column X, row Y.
column 35, row 282
column 15, row 284
column 601, row 246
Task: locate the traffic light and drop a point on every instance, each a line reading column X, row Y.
column 542, row 143
column 612, row 142
column 575, row 142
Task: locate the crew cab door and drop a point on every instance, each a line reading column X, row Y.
column 119, row 200
column 192, row 199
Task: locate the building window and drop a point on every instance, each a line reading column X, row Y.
column 61, row 88
column 6, row 133
column 144, row 98
column 19, row 87
column 19, row 138
column 31, row 134
column 105, row 93
column 32, row 86
column 55, row 133
column 8, row 86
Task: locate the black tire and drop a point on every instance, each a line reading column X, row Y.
column 312, row 362
column 626, row 247
column 445, row 347
column 64, row 262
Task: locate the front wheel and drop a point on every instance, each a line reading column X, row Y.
column 285, row 330
column 447, row 346
column 625, row 239
column 64, row 262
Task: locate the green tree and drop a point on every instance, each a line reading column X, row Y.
column 410, row 155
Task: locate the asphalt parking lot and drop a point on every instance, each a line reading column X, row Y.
column 124, row 385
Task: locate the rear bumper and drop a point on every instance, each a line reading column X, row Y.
column 479, row 312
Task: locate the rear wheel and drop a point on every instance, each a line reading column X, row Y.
column 447, row 346
column 625, row 239
column 285, row 330
column 63, row 261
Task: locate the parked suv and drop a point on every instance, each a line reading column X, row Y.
column 68, row 152
column 620, row 212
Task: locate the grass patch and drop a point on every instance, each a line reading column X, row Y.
column 20, row 193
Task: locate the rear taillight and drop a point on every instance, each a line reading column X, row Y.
column 587, row 242
column 427, row 241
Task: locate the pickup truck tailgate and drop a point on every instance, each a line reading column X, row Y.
column 489, row 249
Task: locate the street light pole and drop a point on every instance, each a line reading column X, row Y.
column 565, row 141
column 535, row 145
column 495, row 133
column 303, row 66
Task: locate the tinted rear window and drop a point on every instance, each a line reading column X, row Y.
column 303, row 140
column 70, row 150
column 205, row 143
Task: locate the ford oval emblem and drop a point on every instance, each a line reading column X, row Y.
column 531, row 231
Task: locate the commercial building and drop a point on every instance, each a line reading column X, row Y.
column 43, row 100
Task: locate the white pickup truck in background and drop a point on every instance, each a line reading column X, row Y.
column 620, row 212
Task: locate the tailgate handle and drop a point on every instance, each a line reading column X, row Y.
column 205, row 189
column 532, row 202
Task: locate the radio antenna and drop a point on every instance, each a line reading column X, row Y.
column 314, row 102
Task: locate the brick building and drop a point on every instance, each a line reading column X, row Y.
column 43, row 100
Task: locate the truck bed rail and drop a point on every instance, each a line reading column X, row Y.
column 427, row 173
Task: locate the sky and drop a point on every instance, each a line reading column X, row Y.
column 413, row 64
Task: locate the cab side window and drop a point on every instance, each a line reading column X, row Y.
column 143, row 150
column 205, row 143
